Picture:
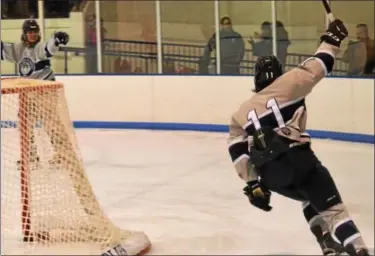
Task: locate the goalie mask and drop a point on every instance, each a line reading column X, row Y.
column 267, row 70
column 30, row 33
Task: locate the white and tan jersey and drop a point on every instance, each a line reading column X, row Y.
column 32, row 62
column 281, row 106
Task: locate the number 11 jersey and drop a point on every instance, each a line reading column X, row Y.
column 280, row 106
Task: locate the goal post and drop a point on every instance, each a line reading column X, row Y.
column 47, row 202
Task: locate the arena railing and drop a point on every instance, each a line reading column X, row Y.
column 182, row 56
column 141, row 57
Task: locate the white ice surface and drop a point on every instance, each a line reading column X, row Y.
column 182, row 190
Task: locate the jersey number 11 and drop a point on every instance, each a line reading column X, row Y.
column 272, row 106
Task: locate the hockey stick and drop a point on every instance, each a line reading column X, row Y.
column 327, row 7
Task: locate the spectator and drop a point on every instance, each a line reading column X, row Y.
column 282, row 42
column 232, row 49
column 355, row 56
column 91, row 43
column 360, row 54
column 262, row 44
column 363, row 36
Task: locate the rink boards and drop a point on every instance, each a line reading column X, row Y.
column 338, row 108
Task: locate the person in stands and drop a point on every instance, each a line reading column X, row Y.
column 232, row 49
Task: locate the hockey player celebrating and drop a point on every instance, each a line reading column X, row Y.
column 271, row 152
column 33, row 61
column 31, row 55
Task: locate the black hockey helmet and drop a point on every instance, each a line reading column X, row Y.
column 267, row 70
column 30, row 26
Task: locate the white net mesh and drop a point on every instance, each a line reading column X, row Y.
column 47, row 203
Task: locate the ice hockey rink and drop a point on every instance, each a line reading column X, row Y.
column 181, row 189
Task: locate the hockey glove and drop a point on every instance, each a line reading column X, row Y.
column 335, row 33
column 259, row 195
column 61, row 38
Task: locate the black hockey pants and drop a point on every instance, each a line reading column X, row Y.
column 299, row 175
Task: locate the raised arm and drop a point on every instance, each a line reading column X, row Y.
column 48, row 48
column 311, row 71
column 8, row 52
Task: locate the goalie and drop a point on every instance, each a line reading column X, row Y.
column 33, row 61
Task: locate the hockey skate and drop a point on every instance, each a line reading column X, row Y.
column 362, row 252
column 359, row 252
column 329, row 246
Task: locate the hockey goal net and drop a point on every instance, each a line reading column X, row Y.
column 47, row 203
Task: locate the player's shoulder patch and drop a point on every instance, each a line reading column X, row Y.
column 286, row 130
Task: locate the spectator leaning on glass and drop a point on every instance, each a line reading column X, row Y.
column 363, row 36
column 356, row 54
column 232, row 49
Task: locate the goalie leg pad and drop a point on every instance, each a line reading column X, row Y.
column 137, row 244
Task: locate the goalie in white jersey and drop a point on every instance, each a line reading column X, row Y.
column 33, row 61
column 32, row 55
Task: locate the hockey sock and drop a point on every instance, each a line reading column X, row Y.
column 344, row 229
column 348, row 234
column 317, row 225
column 321, row 232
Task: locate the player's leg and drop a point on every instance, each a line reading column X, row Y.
column 320, row 230
column 323, row 195
column 318, row 226
column 280, row 165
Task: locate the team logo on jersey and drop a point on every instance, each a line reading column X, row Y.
column 286, row 131
column 26, row 67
